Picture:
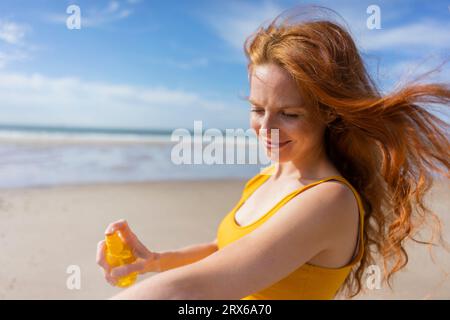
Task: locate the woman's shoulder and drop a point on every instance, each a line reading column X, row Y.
column 332, row 203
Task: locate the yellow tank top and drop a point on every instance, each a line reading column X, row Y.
column 309, row 281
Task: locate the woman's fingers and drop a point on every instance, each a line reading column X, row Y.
column 129, row 237
column 112, row 281
column 117, row 225
column 146, row 259
column 101, row 261
column 101, row 255
column 138, row 266
column 137, row 246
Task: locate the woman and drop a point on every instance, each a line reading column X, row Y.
column 350, row 165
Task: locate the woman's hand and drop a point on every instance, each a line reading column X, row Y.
column 146, row 260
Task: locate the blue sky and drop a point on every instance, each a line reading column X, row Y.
column 163, row 64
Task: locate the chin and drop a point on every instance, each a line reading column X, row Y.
column 280, row 158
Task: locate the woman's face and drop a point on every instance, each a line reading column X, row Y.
column 276, row 103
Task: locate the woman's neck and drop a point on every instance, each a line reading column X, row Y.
column 312, row 167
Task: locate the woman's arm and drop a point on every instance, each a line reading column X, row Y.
column 148, row 261
column 173, row 259
column 307, row 225
column 166, row 285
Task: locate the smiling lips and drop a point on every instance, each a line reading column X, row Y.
column 279, row 145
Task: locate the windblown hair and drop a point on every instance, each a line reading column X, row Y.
column 389, row 147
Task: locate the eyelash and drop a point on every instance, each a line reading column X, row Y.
column 284, row 114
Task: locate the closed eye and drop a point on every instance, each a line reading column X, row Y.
column 289, row 115
column 293, row 115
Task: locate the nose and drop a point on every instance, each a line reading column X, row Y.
column 269, row 127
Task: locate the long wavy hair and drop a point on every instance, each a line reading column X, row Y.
column 389, row 147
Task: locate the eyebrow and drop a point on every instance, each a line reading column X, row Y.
column 282, row 107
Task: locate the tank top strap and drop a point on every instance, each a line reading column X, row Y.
column 360, row 240
column 266, row 172
column 257, row 180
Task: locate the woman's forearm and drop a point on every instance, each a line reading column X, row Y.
column 161, row 286
column 173, row 259
column 175, row 283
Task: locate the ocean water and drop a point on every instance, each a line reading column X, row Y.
column 39, row 156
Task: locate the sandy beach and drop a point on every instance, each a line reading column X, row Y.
column 45, row 230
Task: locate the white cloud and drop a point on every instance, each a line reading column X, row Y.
column 238, row 20
column 113, row 6
column 424, row 35
column 6, row 57
column 93, row 17
column 11, row 32
column 12, row 45
column 36, row 99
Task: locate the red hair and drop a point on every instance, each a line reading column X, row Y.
column 387, row 146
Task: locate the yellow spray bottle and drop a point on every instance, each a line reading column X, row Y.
column 118, row 253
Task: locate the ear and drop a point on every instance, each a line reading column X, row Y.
column 329, row 115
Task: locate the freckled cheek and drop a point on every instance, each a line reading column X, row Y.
column 288, row 128
column 254, row 124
